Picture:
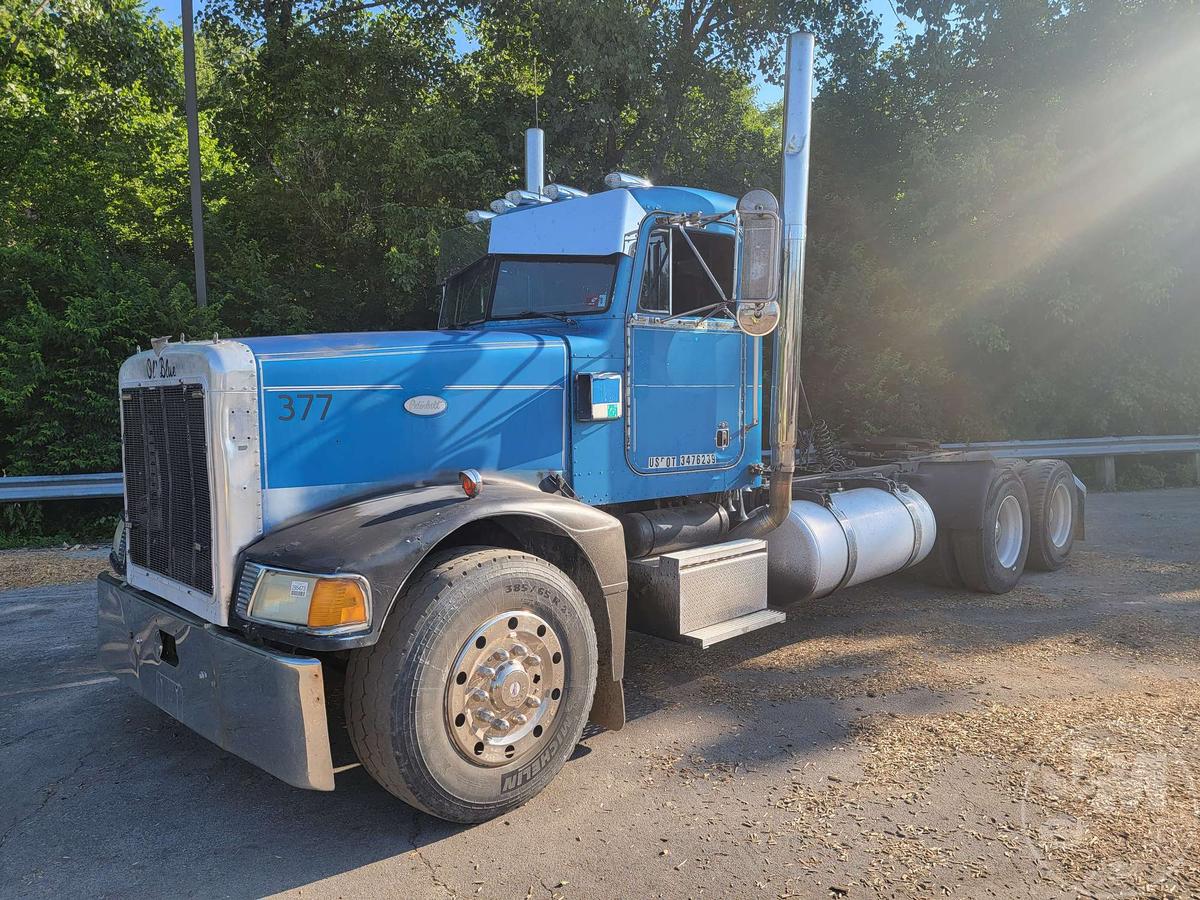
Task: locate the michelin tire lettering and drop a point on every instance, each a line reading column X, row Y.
column 513, row 780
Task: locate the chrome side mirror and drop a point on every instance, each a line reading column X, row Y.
column 758, row 259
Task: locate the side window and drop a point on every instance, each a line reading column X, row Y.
column 692, row 286
column 656, row 282
column 466, row 295
column 679, row 273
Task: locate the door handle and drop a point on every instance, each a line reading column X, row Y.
column 722, row 435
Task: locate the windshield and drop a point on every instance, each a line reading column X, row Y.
column 515, row 287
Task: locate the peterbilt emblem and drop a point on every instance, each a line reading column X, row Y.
column 425, row 405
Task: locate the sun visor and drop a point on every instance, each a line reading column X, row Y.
column 599, row 225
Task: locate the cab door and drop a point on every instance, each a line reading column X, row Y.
column 687, row 361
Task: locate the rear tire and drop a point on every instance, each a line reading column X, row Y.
column 479, row 687
column 992, row 557
column 1052, row 508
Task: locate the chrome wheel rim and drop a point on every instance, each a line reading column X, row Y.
column 505, row 688
column 1060, row 517
column 1010, row 531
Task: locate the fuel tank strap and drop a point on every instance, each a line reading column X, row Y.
column 914, row 512
column 851, row 543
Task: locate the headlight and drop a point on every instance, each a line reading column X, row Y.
column 310, row 601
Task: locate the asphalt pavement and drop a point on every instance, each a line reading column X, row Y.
column 895, row 740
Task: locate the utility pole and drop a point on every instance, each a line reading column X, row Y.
column 193, row 140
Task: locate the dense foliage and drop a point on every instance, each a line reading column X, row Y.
column 1004, row 220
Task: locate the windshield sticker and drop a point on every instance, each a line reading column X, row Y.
column 595, row 301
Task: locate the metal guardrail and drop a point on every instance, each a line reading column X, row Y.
column 1106, row 449
column 1133, row 445
column 61, row 487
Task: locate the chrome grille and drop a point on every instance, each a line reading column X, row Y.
column 165, row 446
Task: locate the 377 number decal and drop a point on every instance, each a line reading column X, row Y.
column 298, row 406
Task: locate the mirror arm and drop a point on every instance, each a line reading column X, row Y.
column 704, row 266
column 698, row 220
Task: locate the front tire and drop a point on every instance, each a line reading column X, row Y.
column 479, row 687
column 992, row 557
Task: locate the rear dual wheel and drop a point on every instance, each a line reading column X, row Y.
column 479, row 687
column 1052, row 504
column 992, row 557
column 1028, row 521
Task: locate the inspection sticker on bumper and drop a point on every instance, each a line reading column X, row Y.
column 684, row 459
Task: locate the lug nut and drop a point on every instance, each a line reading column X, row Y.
column 501, row 725
column 501, row 655
column 533, row 660
column 532, row 702
column 484, row 715
column 478, row 694
column 520, row 650
column 520, row 719
column 486, row 672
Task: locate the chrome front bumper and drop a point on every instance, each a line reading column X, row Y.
column 264, row 706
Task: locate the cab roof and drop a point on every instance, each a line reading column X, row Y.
column 598, row 225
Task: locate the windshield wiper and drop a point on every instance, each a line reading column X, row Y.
column 533, row 314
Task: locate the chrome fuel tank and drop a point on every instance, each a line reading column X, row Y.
column 855, row 536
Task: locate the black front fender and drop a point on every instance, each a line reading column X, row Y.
column 384, row 538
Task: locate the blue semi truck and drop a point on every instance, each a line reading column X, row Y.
column 458, row 526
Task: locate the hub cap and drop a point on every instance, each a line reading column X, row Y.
column 1010, row 531
column 1059, row 520
column 504, row 689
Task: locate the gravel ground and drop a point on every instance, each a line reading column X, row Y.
column 895, row 741
column 30, row 568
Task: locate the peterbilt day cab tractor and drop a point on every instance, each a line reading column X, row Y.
column 463, row 522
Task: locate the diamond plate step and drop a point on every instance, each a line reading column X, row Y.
column 722, row 631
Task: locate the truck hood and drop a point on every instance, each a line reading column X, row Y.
column 347, row 414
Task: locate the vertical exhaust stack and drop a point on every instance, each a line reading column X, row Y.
column 785, row 381
column 535, row 165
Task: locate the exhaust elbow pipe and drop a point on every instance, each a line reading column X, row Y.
column 785, row 381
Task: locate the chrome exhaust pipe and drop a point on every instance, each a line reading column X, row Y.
column 785, row 380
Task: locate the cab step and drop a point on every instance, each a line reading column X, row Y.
column 702, row 595
column 722, row 631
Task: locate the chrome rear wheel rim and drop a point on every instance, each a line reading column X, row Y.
column 505, row 688
column 1061, row 515
column 1010, row 531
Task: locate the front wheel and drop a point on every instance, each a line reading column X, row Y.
column 479, row 687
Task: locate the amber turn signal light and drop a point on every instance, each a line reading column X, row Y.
column 337, row 601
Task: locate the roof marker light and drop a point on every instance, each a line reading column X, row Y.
column 562, row 192
column 625, row 180
column 525, row 198
column 471, row 481
column 501, row 206
column 476, row 216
